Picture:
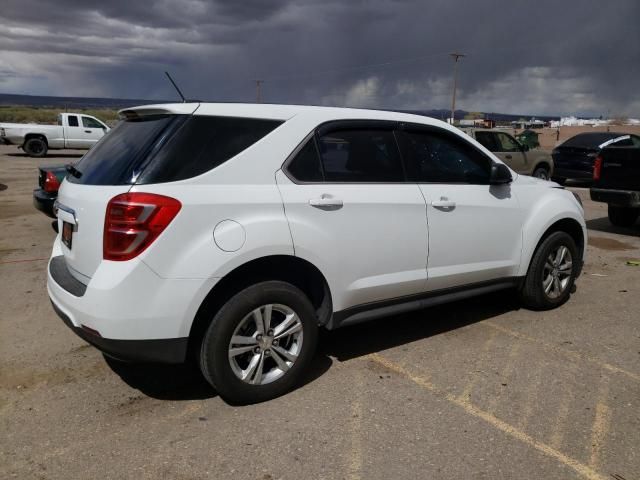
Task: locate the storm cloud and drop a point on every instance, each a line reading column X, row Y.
column 524, row 57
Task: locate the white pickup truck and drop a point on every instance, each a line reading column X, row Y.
column 74, row 130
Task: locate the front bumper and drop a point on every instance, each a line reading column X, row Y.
column 44, row 201
column 618, row 198
column 126, row 310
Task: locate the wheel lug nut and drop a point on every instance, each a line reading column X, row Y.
column 275, row 343
column 267, row 353
column 259, row 336
column 270, row 333
column 256, row 350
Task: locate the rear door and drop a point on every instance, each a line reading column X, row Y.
column 72, row 132
column 475, row 229
column 352, row 214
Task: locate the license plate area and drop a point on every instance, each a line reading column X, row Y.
column 67, row 234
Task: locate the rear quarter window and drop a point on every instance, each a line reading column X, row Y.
column 202, row 144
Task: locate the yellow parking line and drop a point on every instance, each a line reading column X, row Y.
column 563, row 351
column 507, row 371
column 355, row 453
column 474, row 378
column 563, row 412
column 601, row 424
column 583, row 470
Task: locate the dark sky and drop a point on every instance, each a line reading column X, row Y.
column 557, row 57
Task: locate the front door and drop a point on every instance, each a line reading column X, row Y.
column 352, row 214
column 510, row 152
column 475, row 229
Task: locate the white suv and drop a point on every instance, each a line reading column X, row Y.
column 229, row 233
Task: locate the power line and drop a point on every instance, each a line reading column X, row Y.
column 259, row 90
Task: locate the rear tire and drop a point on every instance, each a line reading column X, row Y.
column 247, row 366
column 623, row 216
column 552, row 272
column 35, row 147
column 542, row 173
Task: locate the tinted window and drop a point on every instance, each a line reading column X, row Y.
column 113, row 160
column 73, row 120
column 305, row 167
column 589, row 140
column 203, row 143
column 506, row 143
column 443, row 158
column 356, row 155
column 487, row 140
column 88, row 122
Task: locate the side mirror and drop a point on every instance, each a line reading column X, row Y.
column 500, row 174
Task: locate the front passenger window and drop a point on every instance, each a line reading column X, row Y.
column 507, row 143
column 433, row 157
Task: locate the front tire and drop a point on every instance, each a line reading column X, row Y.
column 35, row 147
column 259, row 343
column 622, row 216
column 552, row 272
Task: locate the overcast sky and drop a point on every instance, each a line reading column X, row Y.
column 555, row 57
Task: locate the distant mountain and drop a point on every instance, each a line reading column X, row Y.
column 72, row 102
column 117, row 103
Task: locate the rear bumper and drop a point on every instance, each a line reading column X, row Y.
column 619, row 198
column 166, row 350
column 44, row 201
column 126, row 310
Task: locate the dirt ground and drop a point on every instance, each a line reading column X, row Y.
column 476, row 389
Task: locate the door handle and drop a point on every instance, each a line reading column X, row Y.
column 325, row 202
column 87, row 131
column 508, row 157
column 444, row 202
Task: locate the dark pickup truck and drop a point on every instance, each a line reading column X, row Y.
column 616, row 181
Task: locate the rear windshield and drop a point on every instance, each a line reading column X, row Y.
column 589, row 140
column 115, row 158
column 166, row 148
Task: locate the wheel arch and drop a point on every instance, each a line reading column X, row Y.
column 295, row 270
column 569, row 224
column 41, row 136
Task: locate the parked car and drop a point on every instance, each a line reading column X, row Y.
column 616, row 182
column 230, row 233
column 49, row 180
column 74, row 130
column 536, row 163
column 575, row 157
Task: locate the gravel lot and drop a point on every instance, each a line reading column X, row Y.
column 475, row 389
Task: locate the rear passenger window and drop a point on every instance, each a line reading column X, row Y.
column 487, row 140
column 439, row 157
column 203, row 143
column 73, row 120
column 356, row 155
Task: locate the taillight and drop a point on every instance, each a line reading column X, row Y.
column 597, row 168
column 133, row 221
column 51, row 183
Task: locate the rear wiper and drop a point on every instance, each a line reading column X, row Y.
column 73, row 170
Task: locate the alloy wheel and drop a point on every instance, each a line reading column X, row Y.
column 557, row 272
column 265, row 344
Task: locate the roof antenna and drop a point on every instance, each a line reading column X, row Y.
column 184, row 100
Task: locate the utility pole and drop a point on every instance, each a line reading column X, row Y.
column 455, row 56
column 259, row 90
